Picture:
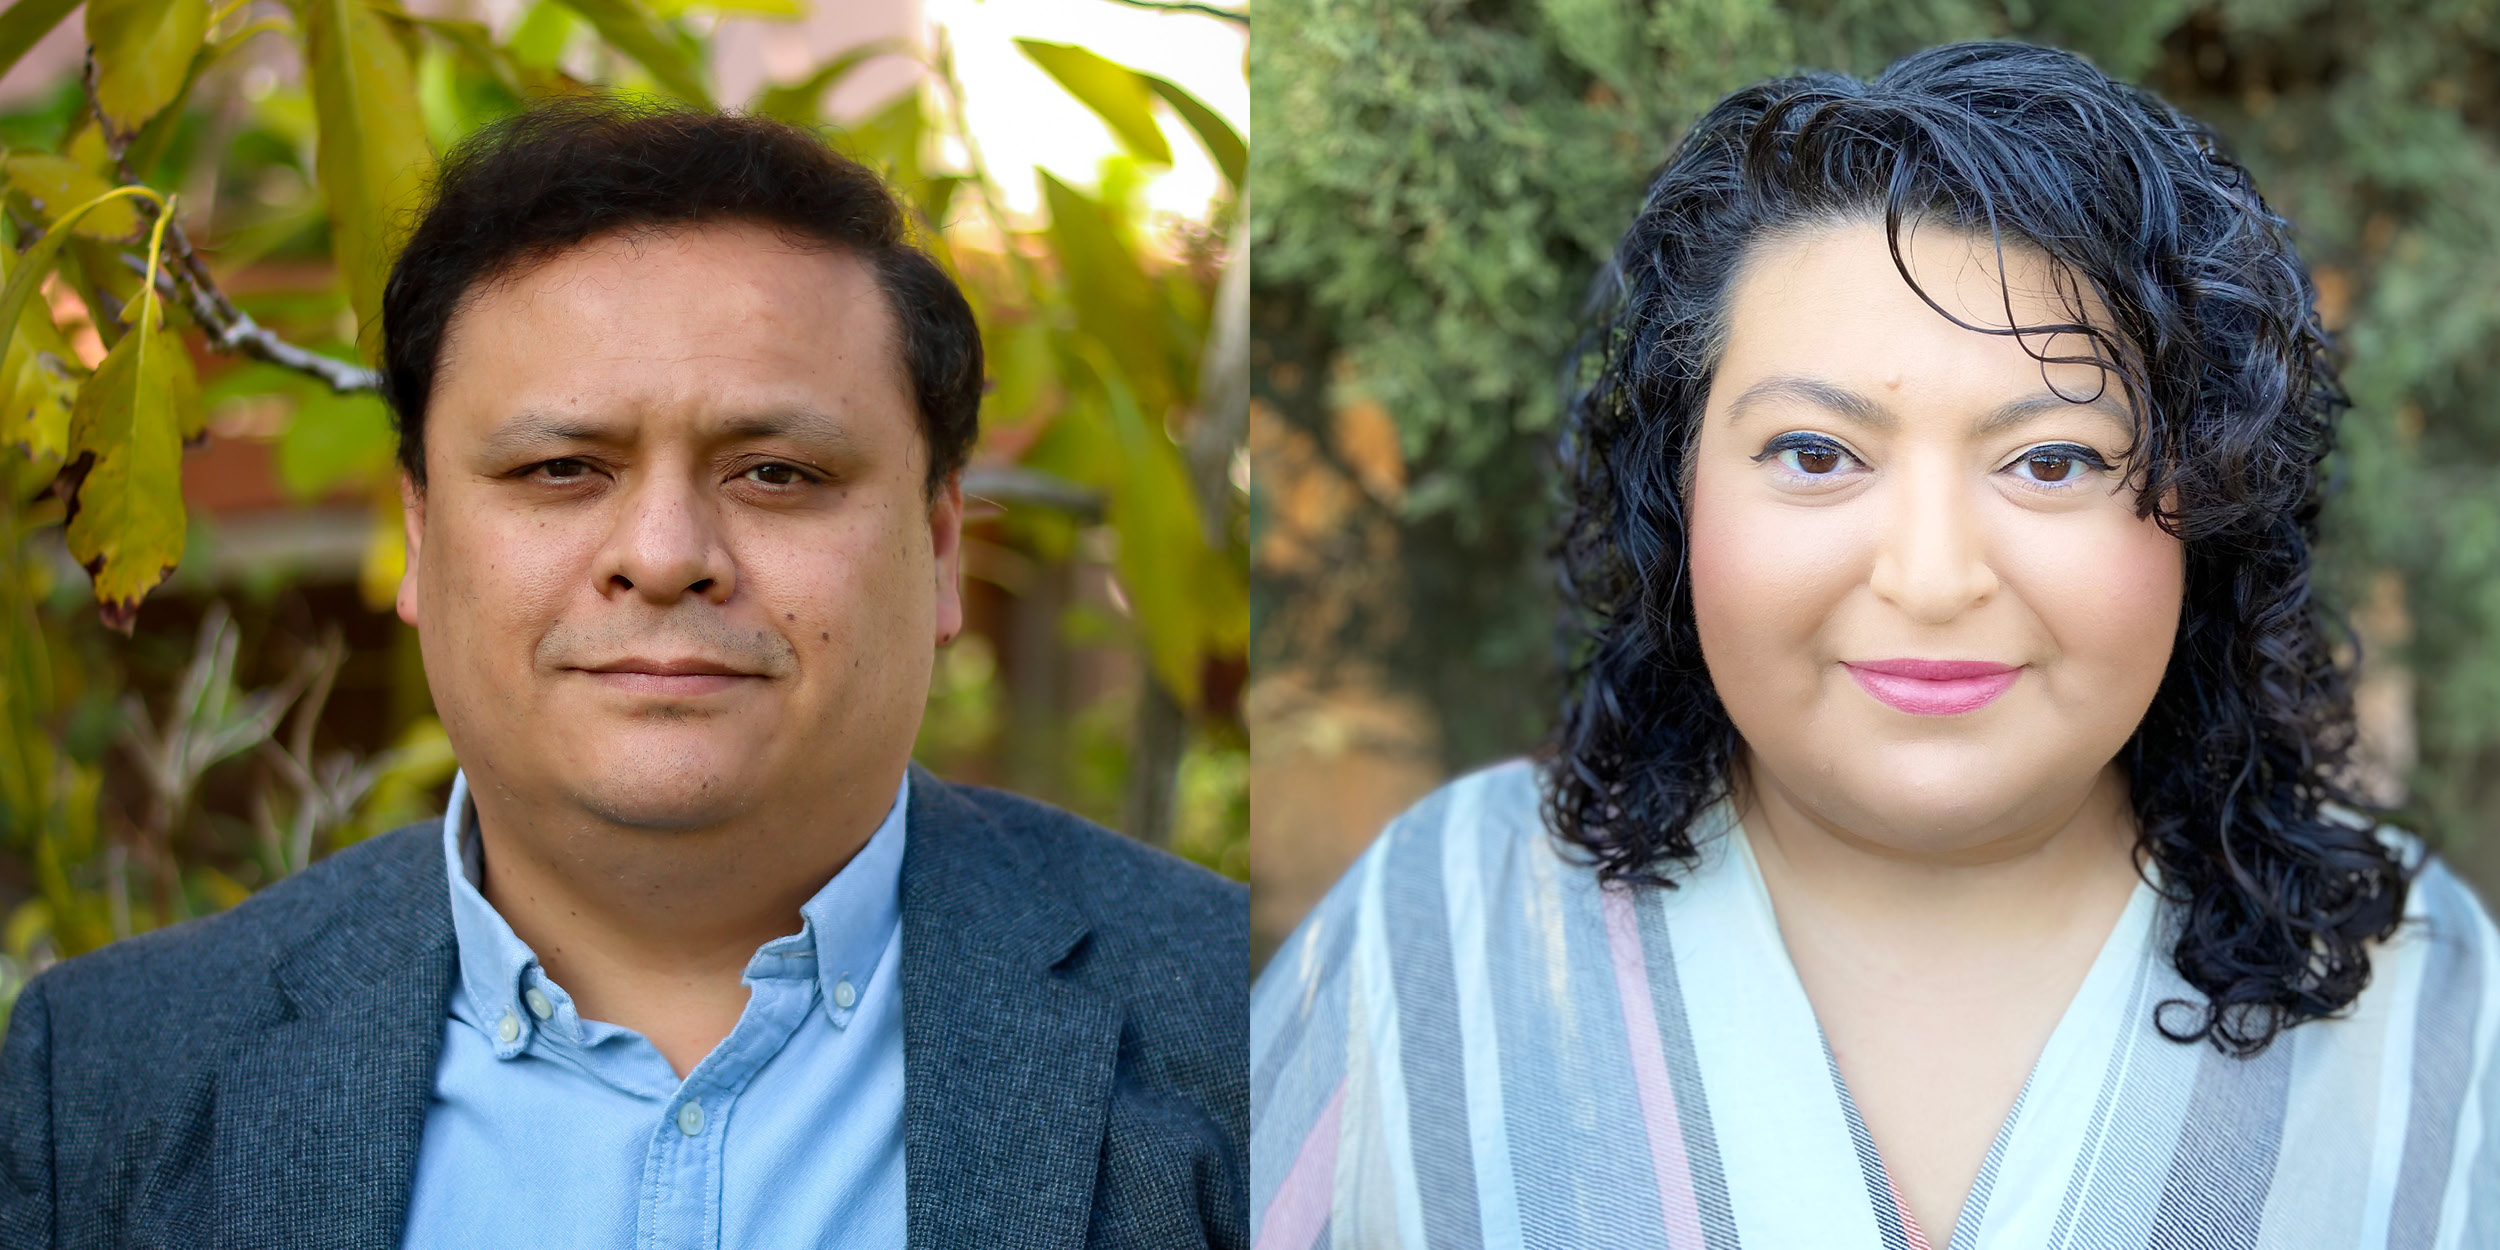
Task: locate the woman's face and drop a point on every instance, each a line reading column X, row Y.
column 1922, row 588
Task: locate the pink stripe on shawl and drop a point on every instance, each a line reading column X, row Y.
column 1649, row 1073
column 1909, row 1222
column 1300, row 1208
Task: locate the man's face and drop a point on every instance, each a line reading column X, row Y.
column 675, row 560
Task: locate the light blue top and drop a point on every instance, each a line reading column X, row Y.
column 546, row 1129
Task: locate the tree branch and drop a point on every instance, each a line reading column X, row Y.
column 229, row 329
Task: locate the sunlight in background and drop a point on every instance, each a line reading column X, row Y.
column 1021, row 118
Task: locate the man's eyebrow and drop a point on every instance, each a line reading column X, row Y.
column 533, row 431
column 802, row 423
column 1841, row 401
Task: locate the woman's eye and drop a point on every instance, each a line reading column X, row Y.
column 1809, row 457
column 776, row 475
column 2057, row 466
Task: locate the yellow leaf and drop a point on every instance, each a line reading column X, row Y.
column 143, row 49
column 56, row 184
column 40, row 389
column 371, row 153
column 125, row 446
column 386, row 551
column 37, row 385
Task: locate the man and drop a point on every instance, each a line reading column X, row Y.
column 697, row 958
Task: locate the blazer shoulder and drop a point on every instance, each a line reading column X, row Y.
column 222, row 964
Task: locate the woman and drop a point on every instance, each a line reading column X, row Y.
column 1947, row 839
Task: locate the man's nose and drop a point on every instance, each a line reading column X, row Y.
column 1932, row 561
column 667, row 543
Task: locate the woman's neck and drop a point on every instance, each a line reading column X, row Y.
column 2037, row 878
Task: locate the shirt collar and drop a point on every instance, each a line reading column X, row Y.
column 844, row 930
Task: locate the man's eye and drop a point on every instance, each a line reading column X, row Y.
column 776, row 475
column 565, row 469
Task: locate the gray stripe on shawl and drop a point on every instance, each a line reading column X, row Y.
column 1870, row 1162
column 2482, row 1210
column 1416, row 910
column 2443, row 1060
column 1692, row 1102
column 1566, row 1065
column 1299, row 1068
column 2215, row 1196
column 1974, row 1211
column 2136, row 1117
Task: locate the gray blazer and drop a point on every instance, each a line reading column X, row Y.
column 1075, row 1050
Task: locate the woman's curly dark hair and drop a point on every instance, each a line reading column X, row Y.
column 2211, row 329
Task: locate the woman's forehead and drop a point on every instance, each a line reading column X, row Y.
column 1831, row 303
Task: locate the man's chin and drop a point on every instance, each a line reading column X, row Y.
column 669, row 796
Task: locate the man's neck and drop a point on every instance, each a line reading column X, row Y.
column 652, row 930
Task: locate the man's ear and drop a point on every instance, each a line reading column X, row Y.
column 946, row 546
column 412, row 521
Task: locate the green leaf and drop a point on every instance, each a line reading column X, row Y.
column 333, row 440
column 538, row 42
column 55, row 184
column 796, row 103
column 26, row 272
column 371, row 154
column 889, row 139
column 25, row 22
column 1223, row 143
column 1160, row 542
column 125, row 444
column 786, row 10
column 634, row 32
column 1117, row 94
column 143, row 51
column 1115, row 302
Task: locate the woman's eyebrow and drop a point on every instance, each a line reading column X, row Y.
column 1839, row 400
column 2021, row 410
column 1843, row 402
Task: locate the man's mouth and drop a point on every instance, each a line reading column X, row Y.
column 677, row 678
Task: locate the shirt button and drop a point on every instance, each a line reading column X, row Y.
column 844, row 994
column 539, row 1006
column 509, row 1028
column 690, row 1118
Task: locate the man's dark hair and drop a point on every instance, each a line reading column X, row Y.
column 2239, row 764
column 521, row 190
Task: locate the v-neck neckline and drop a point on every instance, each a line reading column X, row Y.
column 2084, row 1034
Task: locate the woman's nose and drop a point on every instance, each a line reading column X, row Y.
column 1932, row 561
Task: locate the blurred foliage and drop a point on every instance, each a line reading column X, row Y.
column 196, row 231
column 1440, row 180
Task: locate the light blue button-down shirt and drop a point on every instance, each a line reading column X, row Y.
column 546, row 1129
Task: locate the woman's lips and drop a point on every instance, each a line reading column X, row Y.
column 1934, row 687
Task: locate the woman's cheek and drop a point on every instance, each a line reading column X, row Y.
column 2111, row 602
column 1766, row 580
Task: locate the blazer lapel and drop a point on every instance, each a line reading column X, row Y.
column 318, row 1117
column 1007, row 1065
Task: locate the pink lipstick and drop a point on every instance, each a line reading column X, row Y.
column 1934, row 687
